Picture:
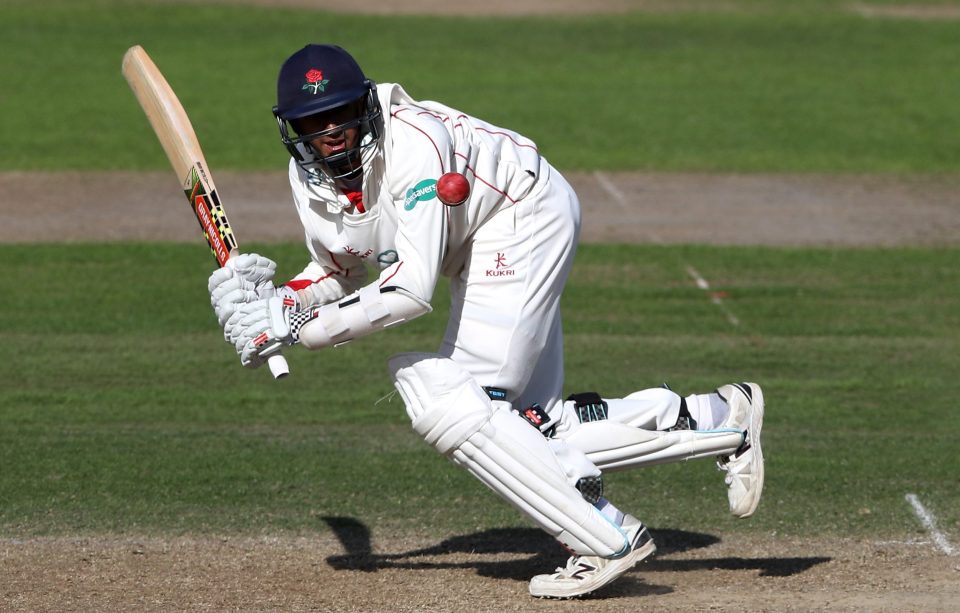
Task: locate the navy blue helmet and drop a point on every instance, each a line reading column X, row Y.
column 320, row 79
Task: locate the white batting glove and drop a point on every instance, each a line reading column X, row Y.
column 259, row 329
column 244, row 278
column 253, row 268
column 228, row 291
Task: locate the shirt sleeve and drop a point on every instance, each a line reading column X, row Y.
column 421, row 151
column 321, row 284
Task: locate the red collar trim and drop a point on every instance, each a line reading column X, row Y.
column 356, row 199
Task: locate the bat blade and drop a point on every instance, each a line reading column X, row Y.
column 172, row 126
column 166, row 115
column 179, row 141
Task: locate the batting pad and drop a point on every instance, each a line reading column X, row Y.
column 612, row 445
column 450, row 411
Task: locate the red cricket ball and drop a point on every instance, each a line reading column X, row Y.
column 453, row 189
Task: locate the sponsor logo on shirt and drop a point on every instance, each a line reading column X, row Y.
column 421, row 192
column 387, row 258
column 501, row 268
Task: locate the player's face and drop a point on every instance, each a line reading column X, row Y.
column 337, row 141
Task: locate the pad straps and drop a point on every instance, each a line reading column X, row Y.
column 589, row 406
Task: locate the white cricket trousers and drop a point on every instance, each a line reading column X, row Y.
column 504, row 326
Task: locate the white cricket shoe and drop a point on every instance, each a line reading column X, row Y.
column 584, row 574
column 744, row 467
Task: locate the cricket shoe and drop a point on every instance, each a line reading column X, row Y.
column 744, row 467
column 584, row 574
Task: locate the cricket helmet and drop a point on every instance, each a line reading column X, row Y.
column 317, row 79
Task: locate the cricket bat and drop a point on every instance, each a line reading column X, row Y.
column 179, row 141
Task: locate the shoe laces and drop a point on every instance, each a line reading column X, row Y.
column 573, row 566
column 732, row 466
column 723, row 465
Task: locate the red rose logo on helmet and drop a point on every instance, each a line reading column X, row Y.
column 315, row 81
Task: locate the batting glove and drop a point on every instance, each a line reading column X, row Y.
column 259, row 329
column 244, row 278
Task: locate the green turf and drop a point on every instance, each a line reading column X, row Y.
column 123, row 410
column 771, row 86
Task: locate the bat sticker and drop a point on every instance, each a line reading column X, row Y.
column 211, row 216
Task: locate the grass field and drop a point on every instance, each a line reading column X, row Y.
column 772, row 87
column 124, row 412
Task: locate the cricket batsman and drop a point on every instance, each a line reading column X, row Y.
column 380, row 231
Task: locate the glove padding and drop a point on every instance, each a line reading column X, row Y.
column 258, row 329
column 244, row 278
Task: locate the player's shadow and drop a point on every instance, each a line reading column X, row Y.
column 531, row 551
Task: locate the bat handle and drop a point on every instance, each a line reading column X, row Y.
column 278, row 366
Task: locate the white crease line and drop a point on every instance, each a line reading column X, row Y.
column 611, row 189
column 714, row 296
column 621, row 199
column 916, row 542
column 930, row 523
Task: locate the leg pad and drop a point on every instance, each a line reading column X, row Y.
column 453, row 413
column 612, row 446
